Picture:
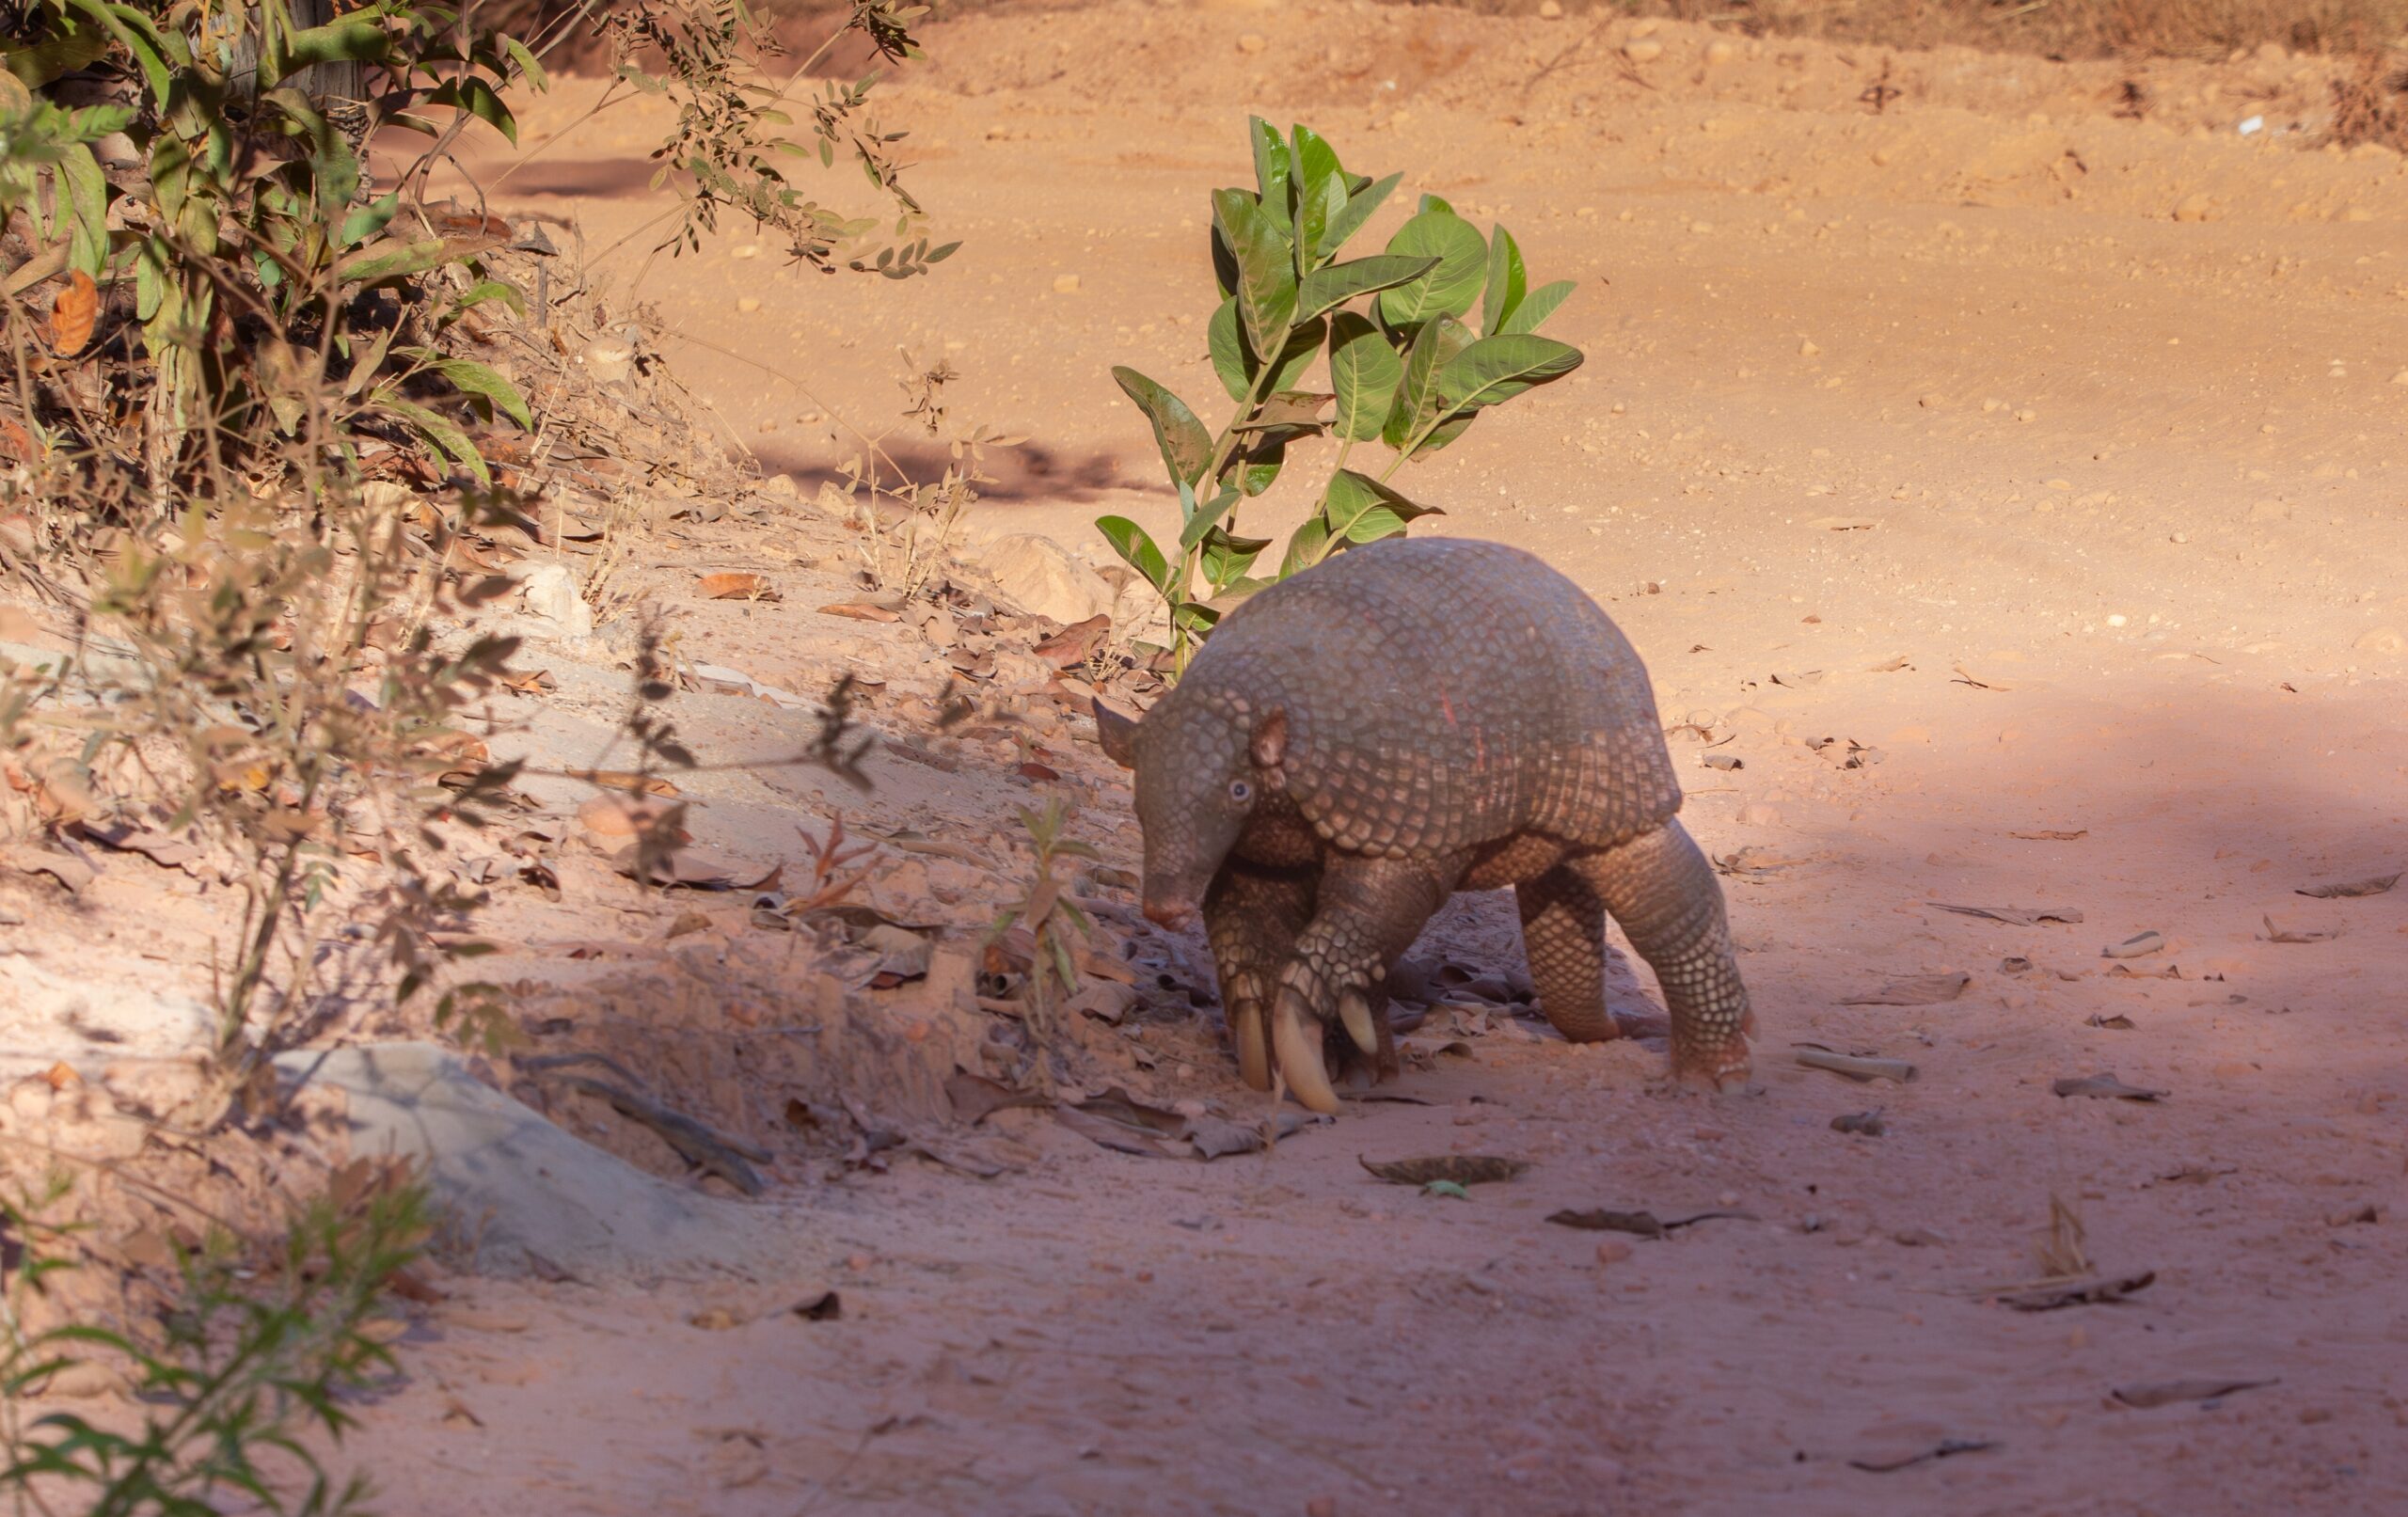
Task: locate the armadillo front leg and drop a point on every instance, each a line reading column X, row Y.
column 1368, row 912
column 1251, row 914
column 1659, row 887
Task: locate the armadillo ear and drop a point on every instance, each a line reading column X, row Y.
column 1269, row 743
column 1119, row 735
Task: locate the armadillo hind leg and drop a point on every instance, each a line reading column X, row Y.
column 1563, row 936
column 1659, row 887
column 1251, row 915
column 1368, row 912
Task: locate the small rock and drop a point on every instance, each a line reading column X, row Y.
column 2198, row 206
column 1042, row 579
column 1643, row 50
column 1252, row 41
column 1719, row 51
column 1066, row 284
column 749, row 304
column 608, row 359
column 1756, row 813
column 1612, row 1252
column 1807, row 349
column 2382, row 640
column 1550, row 9
column 549, row 597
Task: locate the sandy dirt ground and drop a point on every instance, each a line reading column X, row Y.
column 2051, row 455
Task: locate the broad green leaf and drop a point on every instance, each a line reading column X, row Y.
column 1270, row 171
column 1508, row 282
column 1431, row 202
column 1195, row 616
column 1364, row 370
column 1360, row 203
column 1327, row 289
column 1446, row 289
column 1303, row 346
column 1498, row 368
column 1313, row 168
column 88, row 200
column 501, row 290
column 1230, row 359
column 1226, row 559
column 478, row 97
column 1359, row 508
column 152, row 51
column 369, row 220
column 439, row 431
column 60, row 54
column 346, row 40
column 1259, row 465
column 1186, row 447
column 391, row 258
column 1321, row 206
column 1130, row 540
column 1202, row 518
column 1537, row 307
column 472, row 378
column 1309, row 547
column 1417, row 403
column 1442, row 434
column 1267, row 289
column 526, row 64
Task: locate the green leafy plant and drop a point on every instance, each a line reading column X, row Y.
column 245, row 231
column 730, row 149
column 1409, row 365
column 251, row 1350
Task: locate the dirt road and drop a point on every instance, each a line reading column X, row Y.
column 2052, row 455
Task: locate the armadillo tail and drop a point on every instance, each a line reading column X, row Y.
column 1661, row 889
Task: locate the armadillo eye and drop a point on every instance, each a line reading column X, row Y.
column 1240, row 791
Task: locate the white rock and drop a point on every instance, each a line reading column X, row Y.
column 549, row 597
column 1039, row 576
column 608, row 359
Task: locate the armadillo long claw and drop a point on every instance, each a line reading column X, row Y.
column 1299, row 1052
column 1254, row 1050
column 1354, row 1010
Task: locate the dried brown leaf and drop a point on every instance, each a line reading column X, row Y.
column 73, row 314
column 737, row 585
column 1459, row 1169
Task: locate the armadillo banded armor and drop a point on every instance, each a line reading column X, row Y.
column 1441, row 695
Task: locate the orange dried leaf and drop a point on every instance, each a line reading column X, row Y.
column 73, row 314
column 735, row 586
column 857, row 612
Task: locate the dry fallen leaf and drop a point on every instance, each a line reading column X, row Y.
column 72, row 315
column 1889, row 666
column 1076, row 643
column 1914, row 990
column 2375, row 886
column 1945, row 1448
column 1844, row 524
column 2299, row 935
column 736, row 585
column 2168, row 1392
column 1457, row 1169
column 2106, row 1086
column 2051, row 835
column 2098, row 1290
column 1638, row 1223
column 2138, row 945
column 859, row 611
column 1856, row 1066
column 2016, row 916
column 1979, row 682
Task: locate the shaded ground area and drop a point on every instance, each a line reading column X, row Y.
column 2047, row 460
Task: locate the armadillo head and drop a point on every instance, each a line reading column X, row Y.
column 1203, row 760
